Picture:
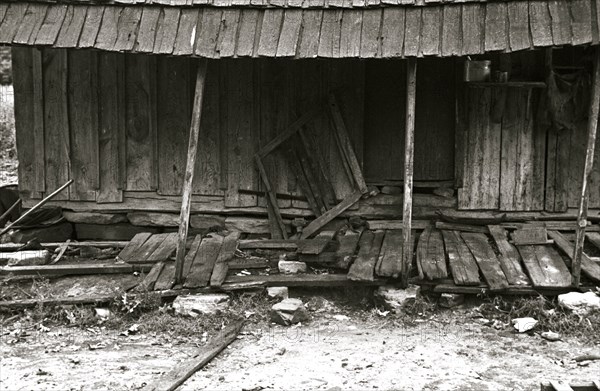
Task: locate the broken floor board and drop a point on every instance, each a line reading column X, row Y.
column 594, row 238
column 363, row 268
column 133, row 246
column 63, row 270
column 331, row 214
column 274, row 244
column 589, row 267
column 516, row 290
column 487, row 260
column 509, row 257
column 148, row 248
column 204, row 262
column 166, row 280
column 530, row 235
column 317, row 245
column 347, row 248
column 189, row 257
column 148, row 283
column 226, row 254
column 462, row 263
column 165, row 250
column 431, row 258
column 389, row 263
column 545, row 266
column 461, row 227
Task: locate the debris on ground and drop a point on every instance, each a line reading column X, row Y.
column 580, row 303
column 206, row 304
column 25, row 258
column 523, row 325
column 278, row 292
column 395, row 298
column 288, row 312
column 550, row 336
column 449, row 300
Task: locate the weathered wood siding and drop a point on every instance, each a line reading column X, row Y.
column 119, row 123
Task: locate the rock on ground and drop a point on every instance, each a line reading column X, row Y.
column 207, row 304
column 580, row 303
column 288, row 312
column 449, row 300
column 395, row 298
column 278, row 292
column 291, row 267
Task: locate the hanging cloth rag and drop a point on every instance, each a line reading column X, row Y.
column 568, row 97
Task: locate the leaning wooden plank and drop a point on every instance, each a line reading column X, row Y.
column 165, row 250
column 172, row 380
column 188, row 181
column 166, row 279
column 205, row 260
column 431, row 258
column 589, row 267
column 272, row 199
column 594, row 238
column 148, row 248
column 462, row 263
column 191, row 255
column 592, row 127
column 487, row 260
column 342, row 138
column 148, row 283
column 226, row 254
column 316, row 245
column 389, row 263
column 509, row 257
column 545, row 266
column 64, row 270
column 331, row 214
column 363, row 268
column 133, row 246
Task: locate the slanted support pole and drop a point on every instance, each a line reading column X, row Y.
column 589, row 163
column 188, row 180
column 409, row 150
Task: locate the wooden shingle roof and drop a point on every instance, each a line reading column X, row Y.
column 450, row 28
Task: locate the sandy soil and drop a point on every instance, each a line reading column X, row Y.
column 452, row 351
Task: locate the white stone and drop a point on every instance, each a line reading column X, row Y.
column 26, row 258
column 579, row 303
column 289, row 311
column 278, row 292
column 291, row 267
column 395, row 298
column 207, row 304
column 524, row 324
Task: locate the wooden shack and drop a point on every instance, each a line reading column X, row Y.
column 104, row 96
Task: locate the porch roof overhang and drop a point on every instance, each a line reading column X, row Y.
column 302, row 29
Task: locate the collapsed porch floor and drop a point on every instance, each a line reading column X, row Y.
column 449, row 258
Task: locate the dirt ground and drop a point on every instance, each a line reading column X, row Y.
column 337, row 350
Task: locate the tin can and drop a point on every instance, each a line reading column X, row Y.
column 477, row 70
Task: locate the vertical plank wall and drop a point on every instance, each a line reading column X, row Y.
column 505, row 150
column 115, row 123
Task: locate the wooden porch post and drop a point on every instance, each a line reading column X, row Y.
column 184, row 217
column 409, row 149
column 589, row 162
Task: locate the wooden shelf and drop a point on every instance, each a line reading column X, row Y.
column 510, row 84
